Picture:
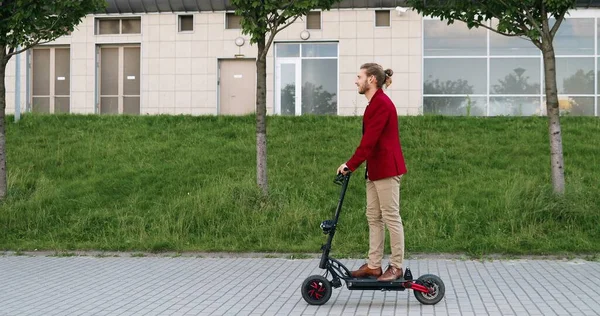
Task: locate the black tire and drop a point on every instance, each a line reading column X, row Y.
column 437, row 287
column 316, row 290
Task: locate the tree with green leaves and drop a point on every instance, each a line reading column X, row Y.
column 262, row 20
column 24, row 24
column 530, row 19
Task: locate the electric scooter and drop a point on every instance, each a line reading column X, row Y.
column 428, row 289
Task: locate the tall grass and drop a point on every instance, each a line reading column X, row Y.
column 182, row 183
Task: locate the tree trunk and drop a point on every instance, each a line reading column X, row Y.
column 3, row 62
column 553, row 112
column 261, row 118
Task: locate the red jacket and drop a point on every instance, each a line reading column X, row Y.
column 380, row 143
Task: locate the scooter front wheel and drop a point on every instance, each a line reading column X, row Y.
column 436, row 289
column 316, row 290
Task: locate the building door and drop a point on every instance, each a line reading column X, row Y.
column 306, row 78
column 51, row 80
column 237, row 86
column 119, row 69
column 288, row 91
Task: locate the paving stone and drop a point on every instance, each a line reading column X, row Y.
column 39, row 285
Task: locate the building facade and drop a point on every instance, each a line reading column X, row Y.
column 137, row 59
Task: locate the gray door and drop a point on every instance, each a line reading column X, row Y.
column 51, row 80
column 237, row 86
column 119, row 70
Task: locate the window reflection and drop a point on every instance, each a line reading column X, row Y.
column 288, row 89
column 515, row 76
column 508, row 71
column 319, row 85
column 455, row 39
column 312, row 87
column 575, row 36
column 319, row 50
column 455, row 76
column 575, row 75
column 501, row 45
column 576, row 106
column 468, row 106
column 515, row 106
column 288, row 50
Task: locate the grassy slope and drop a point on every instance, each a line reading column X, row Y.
column 476, row 185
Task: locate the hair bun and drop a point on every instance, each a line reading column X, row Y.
column 389, row 72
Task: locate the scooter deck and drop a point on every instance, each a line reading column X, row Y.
column 373, row 284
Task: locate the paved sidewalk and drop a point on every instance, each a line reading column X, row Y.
column 42, row 285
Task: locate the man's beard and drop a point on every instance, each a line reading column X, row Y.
column 362, row 89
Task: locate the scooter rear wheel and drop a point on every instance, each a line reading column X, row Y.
column 435, row 284
column 316, row 290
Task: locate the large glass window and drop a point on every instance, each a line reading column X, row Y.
column 515, row 76
column 575, row 75
column 475, row 106
column 306, row 79
column 441, row 39
column 480, row 72
column 455, row 76
column 111, row 26
column 515, row 106
column 581, row 106
column 575, row 36
column 501, row 45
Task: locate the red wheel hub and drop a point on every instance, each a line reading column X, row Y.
column 317, row 291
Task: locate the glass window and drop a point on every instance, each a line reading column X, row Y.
column 471, row 106
column 319, row 86
column 306, row 83
column 288, row 89
column 186, row 23
column 598, row 38
column 118, row 26
column 455, row 39
column 288, row 50
column 575, row 75
column 575, row 36
column 515, row 76
column 598, row 74
column 319, row 50
column 313, row 20
column 506, row 74
column 382, row 18
column 233, row 21
column 108, row 26
column 578, row 106
column 515, row 106
column 501, row 45
column 455, row 76
column 131, row 26
column 508, row 45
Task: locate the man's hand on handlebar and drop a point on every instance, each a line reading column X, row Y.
column 343, row 169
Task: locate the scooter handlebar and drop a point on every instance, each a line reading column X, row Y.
column 339, row 178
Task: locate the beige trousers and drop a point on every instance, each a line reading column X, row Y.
column 383, row 207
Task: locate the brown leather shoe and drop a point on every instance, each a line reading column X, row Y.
column 392, row 273
column 364, row 271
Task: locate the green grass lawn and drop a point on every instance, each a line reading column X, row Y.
column 183, row 183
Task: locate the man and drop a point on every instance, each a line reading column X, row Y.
column 380, row 147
